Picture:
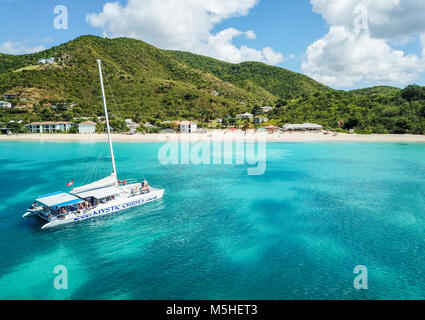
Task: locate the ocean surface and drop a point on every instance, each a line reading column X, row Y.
column 295, row 232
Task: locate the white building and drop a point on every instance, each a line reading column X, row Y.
column 132, row 126
column 87, row 127
column 188, row 127
column 49, row 126
column 303, row 127
column 5, row 105
column 246, row 115
column 46, row 61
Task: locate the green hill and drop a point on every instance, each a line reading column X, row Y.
column 147, row 84
column 143, row 80
column 278, row 81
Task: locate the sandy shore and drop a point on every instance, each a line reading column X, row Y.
column 218, row 135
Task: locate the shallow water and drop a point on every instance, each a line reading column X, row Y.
column 296, row 232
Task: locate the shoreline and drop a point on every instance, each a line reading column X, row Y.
column 216, row 136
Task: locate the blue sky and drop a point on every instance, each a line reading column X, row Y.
column 305, row 36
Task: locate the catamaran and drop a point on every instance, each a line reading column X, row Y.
column 100, row 198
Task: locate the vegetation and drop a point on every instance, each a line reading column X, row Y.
column 148, row 85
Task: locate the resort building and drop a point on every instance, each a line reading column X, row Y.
column 5, row 105
column 245, row 116
column 49, row 126
column 259, row 120
column 303, row 127
column 87, row 127
column 188, row 127
column 132, row 126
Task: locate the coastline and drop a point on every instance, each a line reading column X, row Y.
column 219, row 135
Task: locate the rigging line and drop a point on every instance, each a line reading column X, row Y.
column 90, row 176
column 112, row 94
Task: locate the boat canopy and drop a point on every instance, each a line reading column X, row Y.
column 58, row 199
column 103, row 183
column 100, row 193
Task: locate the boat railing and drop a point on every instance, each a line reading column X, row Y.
column 128, row 182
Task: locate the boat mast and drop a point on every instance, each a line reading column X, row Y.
column 114, row 169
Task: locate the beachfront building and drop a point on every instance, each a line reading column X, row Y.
column 188, row 127
column 303, row 127
column 5, row 105
column 246, row 115
column 132, row 126
column 87, row 127
column 49, row 126
column 272, row 129
column 259, row 120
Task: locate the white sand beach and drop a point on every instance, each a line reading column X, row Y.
column 219, row 135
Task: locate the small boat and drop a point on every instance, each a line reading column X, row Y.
column 100, row 198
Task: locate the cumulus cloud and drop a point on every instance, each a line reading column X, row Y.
column 343, row 59
column 347, row 56
column 183, row 25
column 16, row 47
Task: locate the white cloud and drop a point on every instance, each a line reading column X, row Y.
column 346, row 58
column 220, row 46
column 16, row 47
column 343, row 59
column 250, row 35
column 183, row 25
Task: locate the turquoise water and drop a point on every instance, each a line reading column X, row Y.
column 296, row 232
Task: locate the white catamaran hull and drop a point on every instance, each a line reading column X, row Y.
column 108, row 208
